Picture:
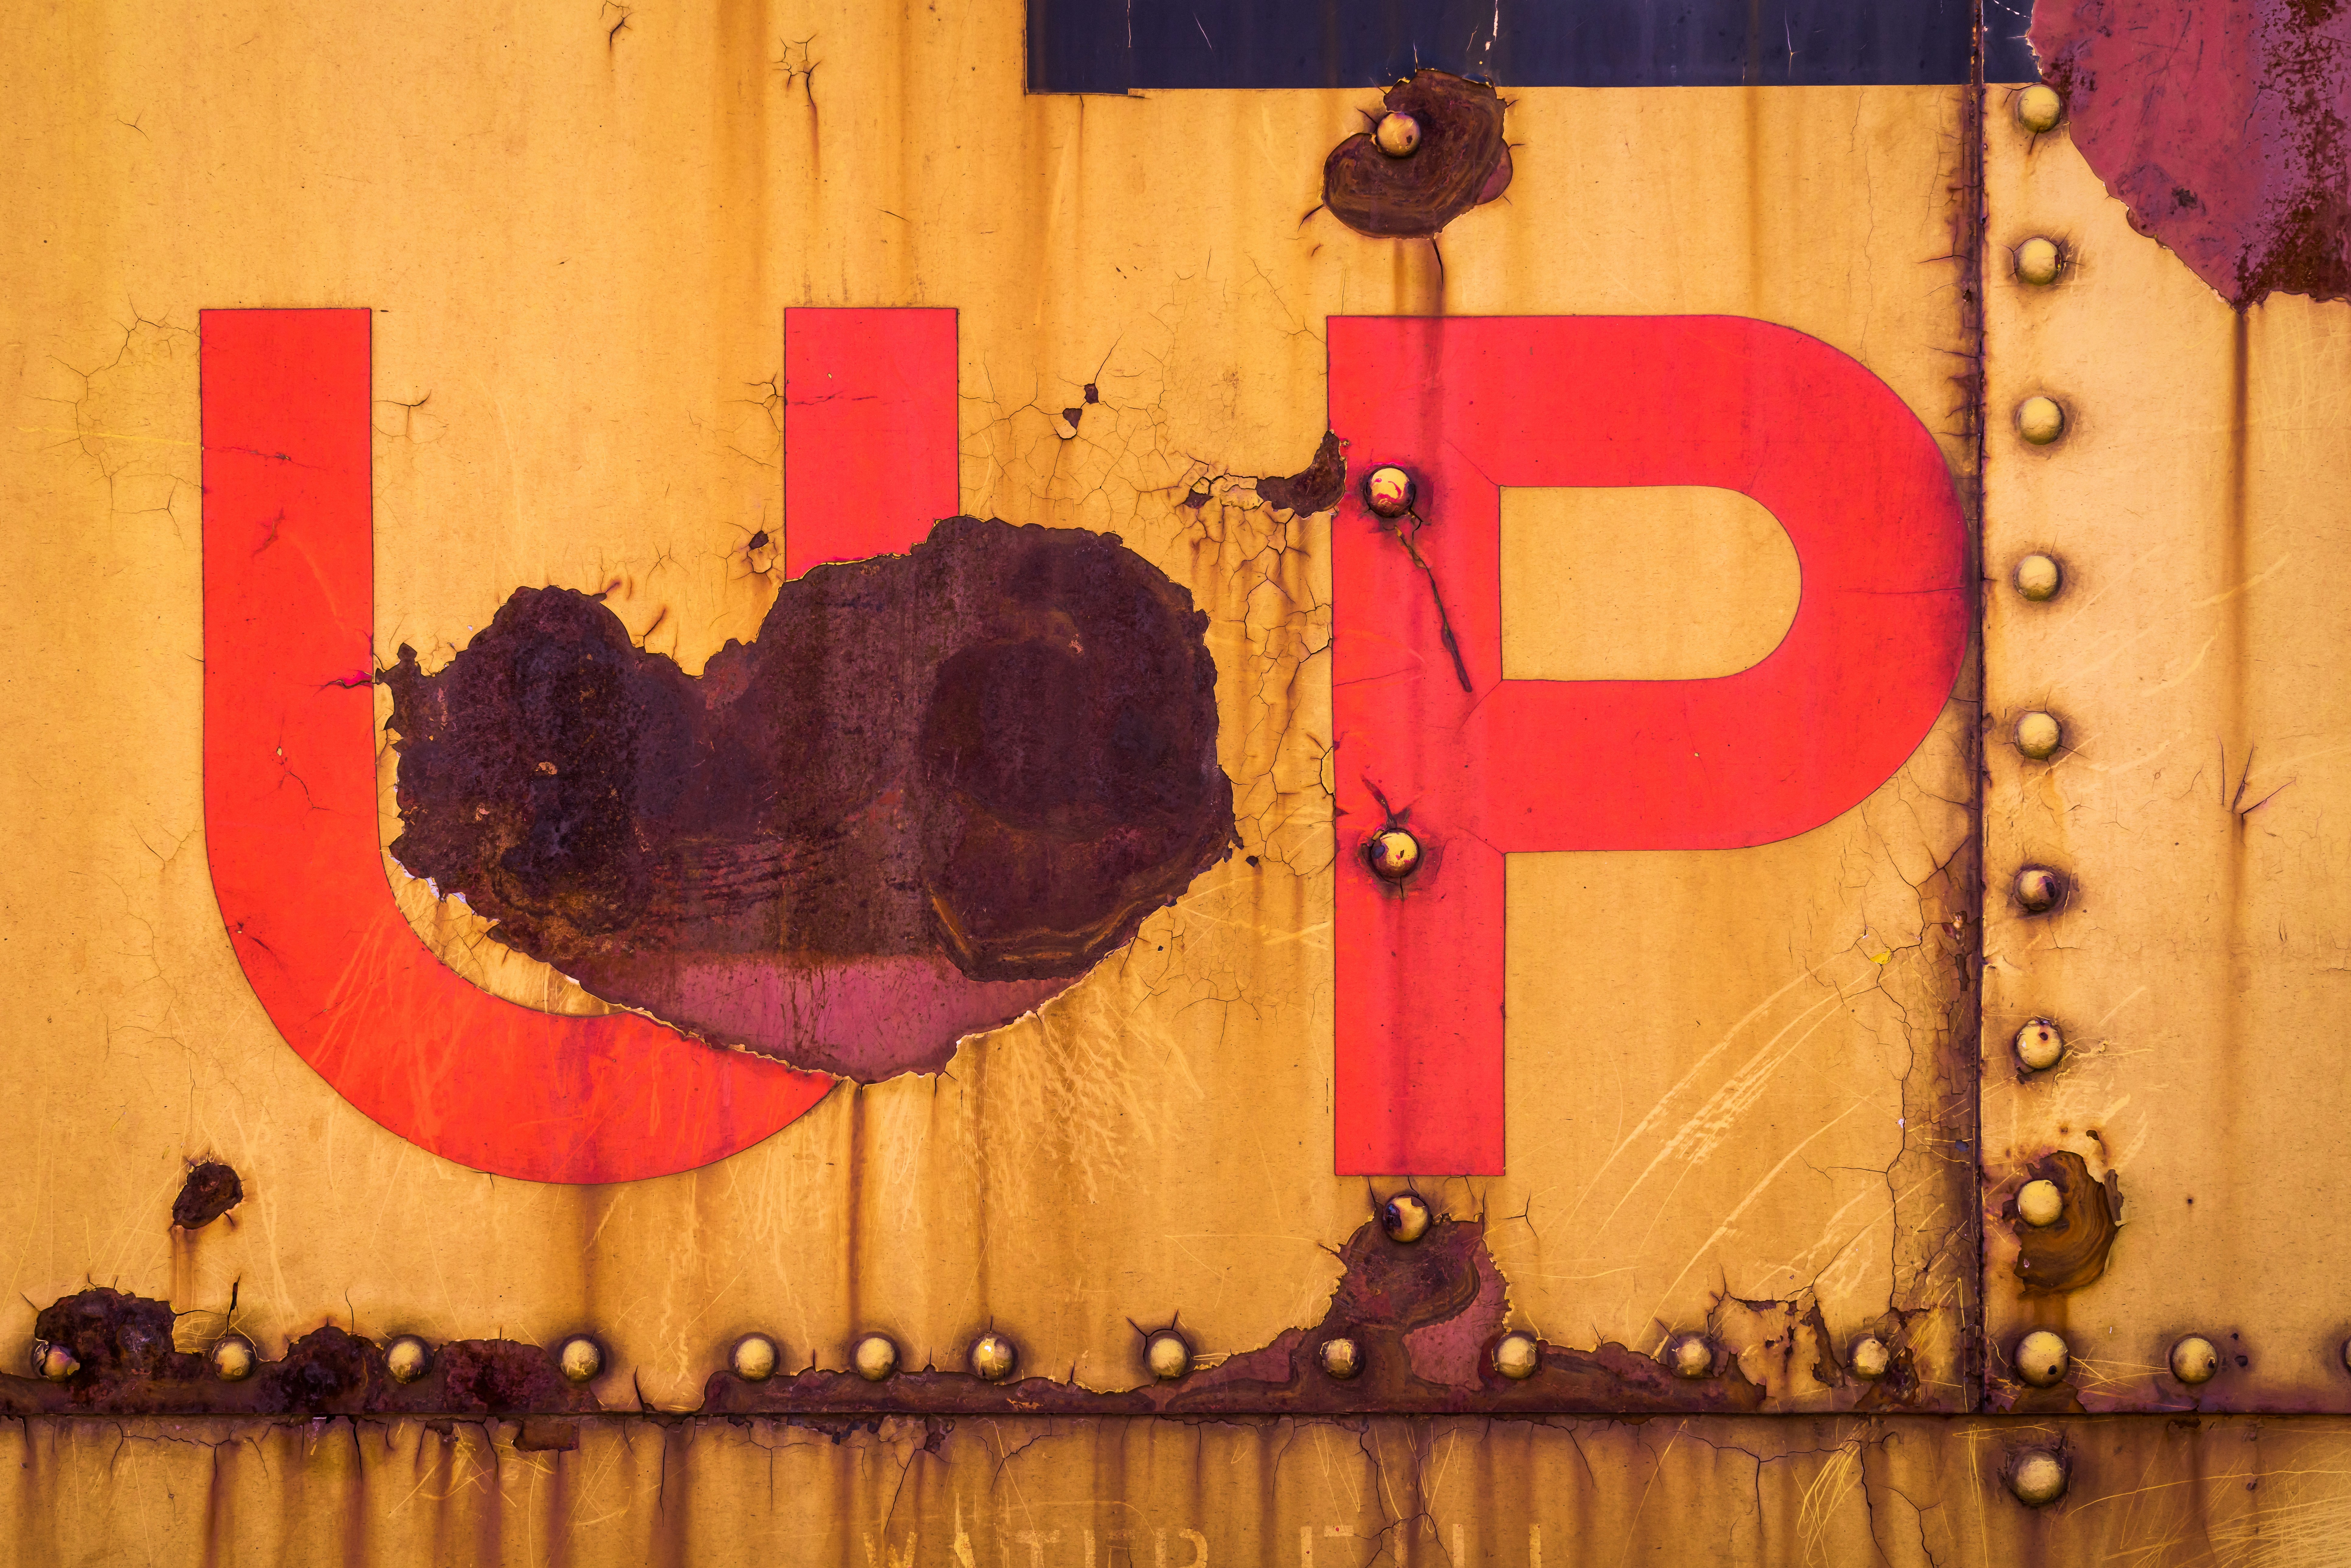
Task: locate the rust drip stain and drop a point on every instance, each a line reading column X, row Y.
column 210, row 1190
column 1461, row 162
column 935, row 789
column 2069, row 1254
column 1317, row 488
column 129, row 1366
column 2221, row 126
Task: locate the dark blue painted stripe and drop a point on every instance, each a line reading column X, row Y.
column 1115, row 46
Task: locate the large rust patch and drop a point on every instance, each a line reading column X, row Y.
column 1461, row 161
column 2221, row 126
column 2069, row 1254
column 934, row 789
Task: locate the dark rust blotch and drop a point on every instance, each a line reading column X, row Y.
column 1315, row 489
column 2068, row 1255
column 1461, row 161
column 210, row 1190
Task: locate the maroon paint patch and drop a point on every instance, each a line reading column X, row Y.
column 2220, row 127
column 210, row 1190
column 935, row 789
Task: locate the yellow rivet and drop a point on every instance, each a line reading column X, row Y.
column 1168, row 1354
column 1393, row 855
column 1341, row 1358
column 1690, row 1356
column 2039, row 1203
column 2042, row 1359
column 232, row 1359
column 2039, row 109
column 2038, row 734
column 2040, row 421
column 2195, row 1359
column 2038, row 259
column 1398, row 134
column 2039, row 578
column 2039, row 1044
column 407, row 1358
column 1388, row 492
column 1517, row 1356
column 2039, row 889
column 876, row 1357
column 2037, row 1478
column 754, row 1358
column 580, row 1358
column 1869, row 1357
column 993, row 1358
column 1405, row 1218
column 54, row 1361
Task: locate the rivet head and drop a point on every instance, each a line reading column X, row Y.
column 407, row 1358
column 2195, row 1359
column 2038, row 578
column 1404, row 1217
column 876, row 1357
column 2039, row 890
column 233, row 1358
column 1388, row 492
column 580, row 1358
column 1690, row 1356
column 754, row 1358
column 1393, row 855
column 2042, row 1359
column 2039, row 1203
column 2037, row 260
column 1517, row 1356
column 993, row 1358
column 2039, row 420
column 54, row 1361
column 1341, row 1358
column 2037, row 1478
column 2039, row 109
column 1168, row 1354
column 1869, row 1357
column 2038, row 734
column 2040, row 1044
column 1397, row 135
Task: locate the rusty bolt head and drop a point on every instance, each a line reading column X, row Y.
column 1341, row 1358
column 2039, row 109
column 2039, row 1203
column 2042, row 1359
column 2040, row 1044
column 993, row 1357
column 1690, row 1356
column 2039, row 576
column 1393, row 854
column 1397, row 135
column 2037, row 1478
column 874, row 1357
column 2039, row 420
column 2038, row 734
column 2195, row 1359
column 1517, row 1356
column 1404, row 1217
column 1869, row 1357
column 1389, row 492
column 2039, row 890
column 54, row 1361
column 2038, row 259
column 407, row 1358
column 754, row 1358
column 580, row 1358
column 1168, row 1354
column 233, row 1358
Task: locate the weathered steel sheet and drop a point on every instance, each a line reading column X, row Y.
column 2190, row 800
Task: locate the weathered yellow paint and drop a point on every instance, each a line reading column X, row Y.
column 2198, row 802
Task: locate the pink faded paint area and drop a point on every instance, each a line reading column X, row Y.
column 2220, row 123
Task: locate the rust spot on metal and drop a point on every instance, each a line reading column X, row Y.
column 2072, row 1252
column 935, row 789
column 210, row 1190
column 2226, row 141
column 1316, row 488
column 1461, row 161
